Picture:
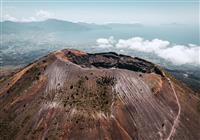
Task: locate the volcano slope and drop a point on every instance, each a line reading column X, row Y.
column 74, row 95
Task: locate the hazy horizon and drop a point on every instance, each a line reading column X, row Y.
column 163, row 32
column 183, row 12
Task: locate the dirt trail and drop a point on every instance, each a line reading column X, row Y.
column 175, row 124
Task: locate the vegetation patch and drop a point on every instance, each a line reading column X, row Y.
column 106, row 81
column 97, row 98
column 82, row 121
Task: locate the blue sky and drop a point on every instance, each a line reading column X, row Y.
column 96, row 11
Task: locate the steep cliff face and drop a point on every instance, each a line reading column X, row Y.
column 74, row 95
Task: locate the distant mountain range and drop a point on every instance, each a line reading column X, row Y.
column 55, row 25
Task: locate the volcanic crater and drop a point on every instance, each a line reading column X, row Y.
column 70, row 94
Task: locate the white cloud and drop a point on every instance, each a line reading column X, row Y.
column 28, row 19
column 138, row 43
column 44, row 14
column 10, row 18
column 39, row 16
column 105, row 43
column 177, row 54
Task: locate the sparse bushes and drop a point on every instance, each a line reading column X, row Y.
column 98, row 98
column 106, row 80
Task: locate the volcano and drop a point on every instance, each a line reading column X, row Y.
column 74, row 95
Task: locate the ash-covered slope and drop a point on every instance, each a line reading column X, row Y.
column 74, row 95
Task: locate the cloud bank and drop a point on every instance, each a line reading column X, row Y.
column 105, row 43
column 177, row 54
column 39, row 15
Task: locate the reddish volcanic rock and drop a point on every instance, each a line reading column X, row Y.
column 74, row 95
